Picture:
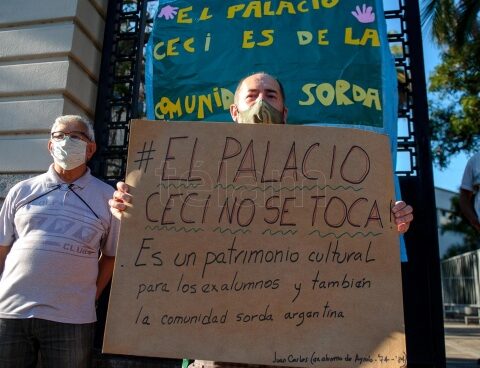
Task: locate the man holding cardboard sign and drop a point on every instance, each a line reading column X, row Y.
column 52, row 229
column 259, row 98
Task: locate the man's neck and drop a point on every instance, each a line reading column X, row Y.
column 69, row 176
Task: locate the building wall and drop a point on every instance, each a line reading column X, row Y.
column 50, row 53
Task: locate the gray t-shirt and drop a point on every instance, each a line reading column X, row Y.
column 55, row 231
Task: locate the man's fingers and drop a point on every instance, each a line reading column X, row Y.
column 120, row 200
column 405, row 212
column 122, row 187
column 403, row 219
column 403, row 227
column 117, row 208
column 401, row 209
column 399, row 205
column 403, row 215
column 116, row 205
column 122, row 197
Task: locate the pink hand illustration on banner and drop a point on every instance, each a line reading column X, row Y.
column 364, row 15
column 168, row 12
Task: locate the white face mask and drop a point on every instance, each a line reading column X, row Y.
column 69, row 153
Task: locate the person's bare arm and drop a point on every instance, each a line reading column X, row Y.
column 105, row 271
column 466, row 206
column 3, row 256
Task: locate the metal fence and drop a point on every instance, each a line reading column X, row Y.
column 460, row 279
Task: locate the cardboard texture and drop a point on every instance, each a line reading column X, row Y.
column 258, row 244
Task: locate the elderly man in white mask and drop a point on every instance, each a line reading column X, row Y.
column 52, row 229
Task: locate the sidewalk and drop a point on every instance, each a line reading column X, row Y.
column 462, row 345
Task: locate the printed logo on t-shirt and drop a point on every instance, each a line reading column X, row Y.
column 60, row 226
column 67, row 227
column 36, row 222
column 85, row 234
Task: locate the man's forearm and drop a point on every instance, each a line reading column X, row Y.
column 466, row 206
column 105, row 271
column 3, row 256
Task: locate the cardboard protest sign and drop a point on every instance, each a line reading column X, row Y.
column 258, row 244
column 332, row 56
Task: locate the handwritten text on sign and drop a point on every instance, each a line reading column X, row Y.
column 258, row 244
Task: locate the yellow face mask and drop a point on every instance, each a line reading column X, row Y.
column 261, row 112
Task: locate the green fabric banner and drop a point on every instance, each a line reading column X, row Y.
column 332, row 57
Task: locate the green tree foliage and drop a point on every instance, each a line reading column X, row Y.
column 458, row 224
column 455, row 103
column 453, row 22
column 455, row 97
column 455, row 83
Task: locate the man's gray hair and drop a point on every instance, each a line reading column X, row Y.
column 67, row 119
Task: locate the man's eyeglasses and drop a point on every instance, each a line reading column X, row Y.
column 60, row 136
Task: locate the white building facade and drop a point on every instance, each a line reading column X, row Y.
column 50, row 54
